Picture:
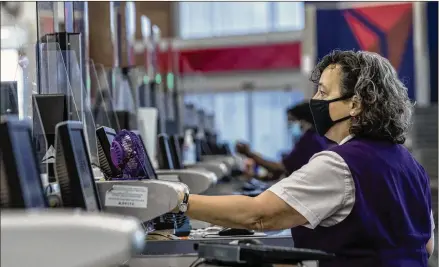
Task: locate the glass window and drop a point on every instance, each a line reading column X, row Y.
column 230, row 18
column 269, row 121
column 209, row 19
column 195, row 19
column 230, row 110
column 257, row 117
column 289, row 15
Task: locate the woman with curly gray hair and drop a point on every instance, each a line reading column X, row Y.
column 367, row 200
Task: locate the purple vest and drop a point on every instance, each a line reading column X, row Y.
column 389, row 225
column 309, row 144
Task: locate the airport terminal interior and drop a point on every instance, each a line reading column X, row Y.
column 115, row 114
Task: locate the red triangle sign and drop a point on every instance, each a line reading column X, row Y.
column 387, row 16
column 367, row 39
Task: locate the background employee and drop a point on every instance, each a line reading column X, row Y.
column 308, row 143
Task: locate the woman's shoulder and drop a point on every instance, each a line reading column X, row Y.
column 328, row 159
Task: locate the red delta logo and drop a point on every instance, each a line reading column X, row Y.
column 382, row 29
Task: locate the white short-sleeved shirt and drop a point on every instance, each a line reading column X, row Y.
column 323, row 190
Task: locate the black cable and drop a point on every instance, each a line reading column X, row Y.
column 197, row 262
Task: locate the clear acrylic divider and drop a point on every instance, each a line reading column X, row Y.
column 123, row 99
column 54, row 77
column 136, row 76
column 102, row 74
column 27, row 89
column 102, row 102
column 82, row 100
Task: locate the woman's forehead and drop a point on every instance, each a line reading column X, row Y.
column 330, row 77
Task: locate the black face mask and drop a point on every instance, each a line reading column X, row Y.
column 320, row 114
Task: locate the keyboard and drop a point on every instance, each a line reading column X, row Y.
column 279, row 255
column 258, row 254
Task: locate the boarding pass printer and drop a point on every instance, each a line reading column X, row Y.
column 143, row 199
column 68, row 238
column 230, row 162
column 198, row 180
column 219, row 168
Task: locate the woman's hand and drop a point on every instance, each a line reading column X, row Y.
column 242, row 148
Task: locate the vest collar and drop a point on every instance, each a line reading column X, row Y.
column 346, row 139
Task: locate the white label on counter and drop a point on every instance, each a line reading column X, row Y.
column 169, row 177
column 127, row 196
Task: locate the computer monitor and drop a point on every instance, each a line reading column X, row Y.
column 8, row 98
column 174, row 148
column 148, row 163
column 190, row 115
column 164, row 153
column 124, row 118
column 105, row 136
column 73, row 169
column 225, row 149
column 21, row 185
column 171, row 127
column 201, row 119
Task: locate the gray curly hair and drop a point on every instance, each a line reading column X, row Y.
column 386, row 108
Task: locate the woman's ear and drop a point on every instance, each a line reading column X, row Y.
column 356, row 106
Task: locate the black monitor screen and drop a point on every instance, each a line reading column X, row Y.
column 33, row 194
column 84, row 170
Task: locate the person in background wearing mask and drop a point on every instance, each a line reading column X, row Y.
column 301, row 126
column 294, row 125
column 367, row 200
